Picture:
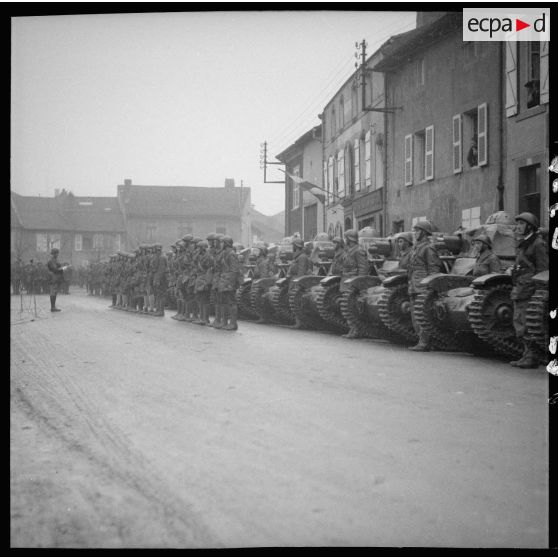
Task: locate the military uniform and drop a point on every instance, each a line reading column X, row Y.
column 487, row 262
column 354, row 261
column 160, row 280
column 300, row 266
column 228, row 283
column 56, row 279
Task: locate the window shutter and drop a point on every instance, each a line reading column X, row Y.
column 325, row 182
column 457, row 151
column 367, row 162
column 409, row 160
column 341, row 172
column 77, row 243
column 429, row 153
column 544, row 95
column 511, row 78
column 357, row 165
column 482, row 140
column 330, row 178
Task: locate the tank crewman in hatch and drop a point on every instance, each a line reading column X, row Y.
column 487, row 262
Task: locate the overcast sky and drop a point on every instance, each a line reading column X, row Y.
column 175, row 99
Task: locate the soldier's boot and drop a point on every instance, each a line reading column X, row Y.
column 183, row 311
column 218, row 321
column 145, row 304
column 531, row 357
column 53, row 304
column 352, row 334
column 160, row 307
column 199, row 318
column 205, row 315
column 178, row 308
column 195, row 312
column 521, row 359
column 113, row 301
column 423, row 345
column 151, row 303
column 232, row 325
column 124, row 302
column 188, row 311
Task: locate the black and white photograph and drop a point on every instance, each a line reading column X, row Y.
column 280, row 277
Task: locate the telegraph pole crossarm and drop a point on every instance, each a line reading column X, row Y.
column 264, row 162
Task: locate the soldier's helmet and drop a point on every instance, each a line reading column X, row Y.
column 157, row 247
column 227, row 240
column 188, row 238
column 425, row 226
column 338, row 240
column 259, row 244
column 219, row 236
column 203, row 244
column 351, row 234
column 195, row 240
column 298, row 242
column 408, row 236
column 368, row 232
column 499, row 218
column 528, row 218
column 180, row 244
column 55, row 251
column 211, row 236
column 484, row 239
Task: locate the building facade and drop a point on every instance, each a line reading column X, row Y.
column 353, row 164
column 166, row 213
column 84, row 229
column 304, row 203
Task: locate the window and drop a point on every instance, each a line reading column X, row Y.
column 78, row 241
column 341, row 173
column 341, row 113
column 333, row 122
column 151, row 231
column 220, row 228
column 354, row 101
column 325, row 180
column 398, row 226
column 54, row 240
column 97, row 241
column 330, row 183
column 330, row 231
column 42, row 242
column 470, row 218
column 184, row 229
column 117, row 242
column 544, row 97
column 295, row 189
column 429, row 153
column 338, row 229
column 529, row 189
column 511, row 77
column 356, row 171
column 532, row 84
column 367, row 160
column 482, row 120
column 420, row 143
column 349, row 169
column 475, row 127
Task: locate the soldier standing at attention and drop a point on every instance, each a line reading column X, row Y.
column 354, row 263
column 300, row 266
column 487, row 262
column 219, row 320
column 203, row 282
column 228, row 283
column 531, row 258
column 423, row 261
column 160, row 279
column 336, row 267
column 56, row 278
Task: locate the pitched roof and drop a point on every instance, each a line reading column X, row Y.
column 183, row 201
column 402, row 47
column 68, row 213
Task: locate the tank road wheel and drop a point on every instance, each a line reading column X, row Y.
column 327, row 303
column 537, row 321
column 259, row 303
column 244, row 303
column 491, row 317
column 394, row 308
column 280, row 299
column 355, row 319
column 299, row 308
column 441, row 337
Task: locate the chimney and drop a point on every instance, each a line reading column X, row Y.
column 127, row 182
column 229, row 183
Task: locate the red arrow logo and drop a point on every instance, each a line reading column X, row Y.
column 519, row 25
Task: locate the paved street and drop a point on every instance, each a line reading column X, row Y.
column 133, row 431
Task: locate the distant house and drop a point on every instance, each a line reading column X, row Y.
column 267, row 228
column 166, row 213
column 84, row 229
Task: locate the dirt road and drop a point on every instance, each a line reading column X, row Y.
column 132, row 431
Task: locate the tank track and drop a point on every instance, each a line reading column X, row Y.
column 280, row 301
column 244, row 304
column 506, row 346
column 363, row 328
column 390, row 319
column 537, row 322
column 443, row 340
column 323, row 299
column 297, row 307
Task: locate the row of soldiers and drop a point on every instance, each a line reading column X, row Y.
column 33, row 278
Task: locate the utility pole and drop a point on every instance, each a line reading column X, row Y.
column 264, row 162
